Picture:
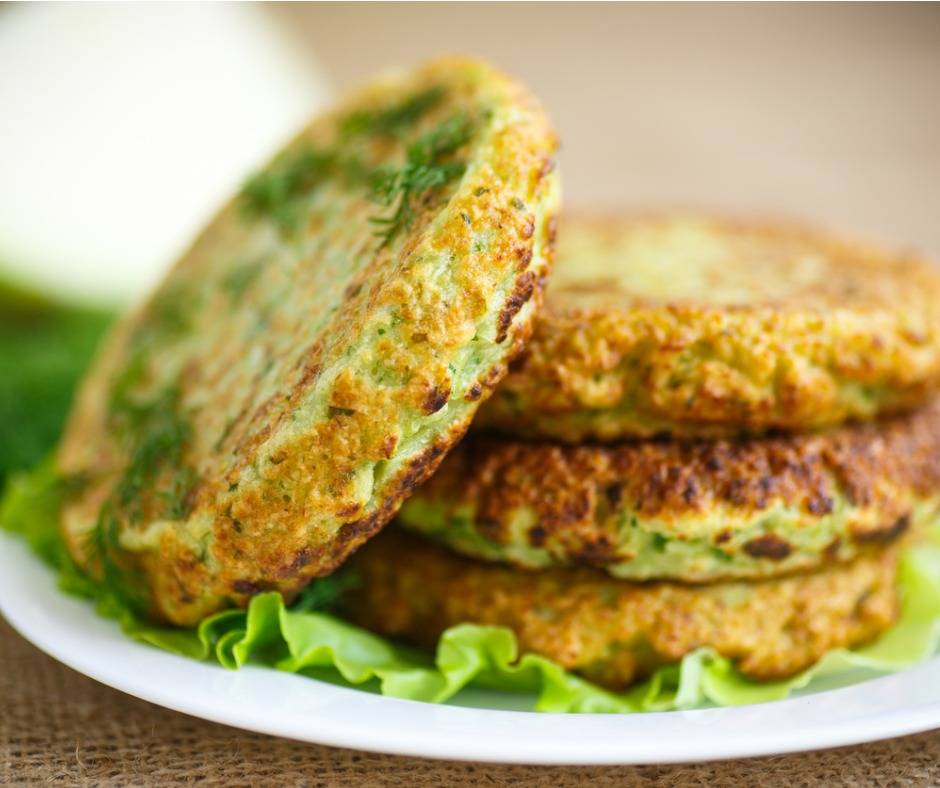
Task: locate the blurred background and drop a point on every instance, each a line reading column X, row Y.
column 125, row 126
column 829, row 112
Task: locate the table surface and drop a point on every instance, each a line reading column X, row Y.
column 59, row 727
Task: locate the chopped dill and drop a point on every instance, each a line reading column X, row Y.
column 167, row 319
column 157, row 434
column 237, row 281
column 274, row 192
column 278, row 192
column 721, row 555
column 152, row 433
column 155, row 483
column 104, row 543
column 394, row 120
column 170, row 313
column 429, row 165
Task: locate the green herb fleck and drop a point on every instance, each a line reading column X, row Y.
column 394, row 120
column 156, row 482
column 720, row 554
column 660, row 542
column 156, row 434
column 152, row 432
column 275, row 193
column 168, row 317
column 240, row 278
column 166, row 320
column 429, row 165
column 104, row 544
column 278, row 192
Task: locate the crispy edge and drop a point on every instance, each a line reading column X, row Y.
column 615, row 632
column 577, row 492
column 616, row 372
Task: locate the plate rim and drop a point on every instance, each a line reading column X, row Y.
column 18, row 583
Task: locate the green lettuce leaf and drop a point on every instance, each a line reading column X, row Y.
column 303, row 639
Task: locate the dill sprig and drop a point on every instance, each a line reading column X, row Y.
column 274, row 193
column 157, row 434
column 104, row 544
column 394, row 120
column 278, row 193
column 154, row 434
column 429, row 165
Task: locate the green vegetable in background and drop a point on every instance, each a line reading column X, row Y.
column 45, row 345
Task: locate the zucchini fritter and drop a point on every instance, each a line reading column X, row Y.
column 697, row 326
column 320, row 347
column 693, row 510
column 614, row 632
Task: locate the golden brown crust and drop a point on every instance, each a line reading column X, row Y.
column 615, row 632
column 692, row 510
column 699, row 326
column 315, row 375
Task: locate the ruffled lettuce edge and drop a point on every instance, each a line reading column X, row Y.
column 302, row 639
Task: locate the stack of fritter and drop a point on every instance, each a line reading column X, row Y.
column 721, row 434
column 718, row 434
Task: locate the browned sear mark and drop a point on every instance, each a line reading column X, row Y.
column 887, row 534
column 436, row 399
column 525, row 287
column 474, row 393
column 768, row 546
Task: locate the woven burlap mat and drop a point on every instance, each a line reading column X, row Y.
column 57, row 726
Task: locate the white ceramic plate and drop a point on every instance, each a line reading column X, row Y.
column 283, row 704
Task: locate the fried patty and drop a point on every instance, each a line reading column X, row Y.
column 699, row 326
column 320, row 347
column 693, row 510
column 612, row 631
